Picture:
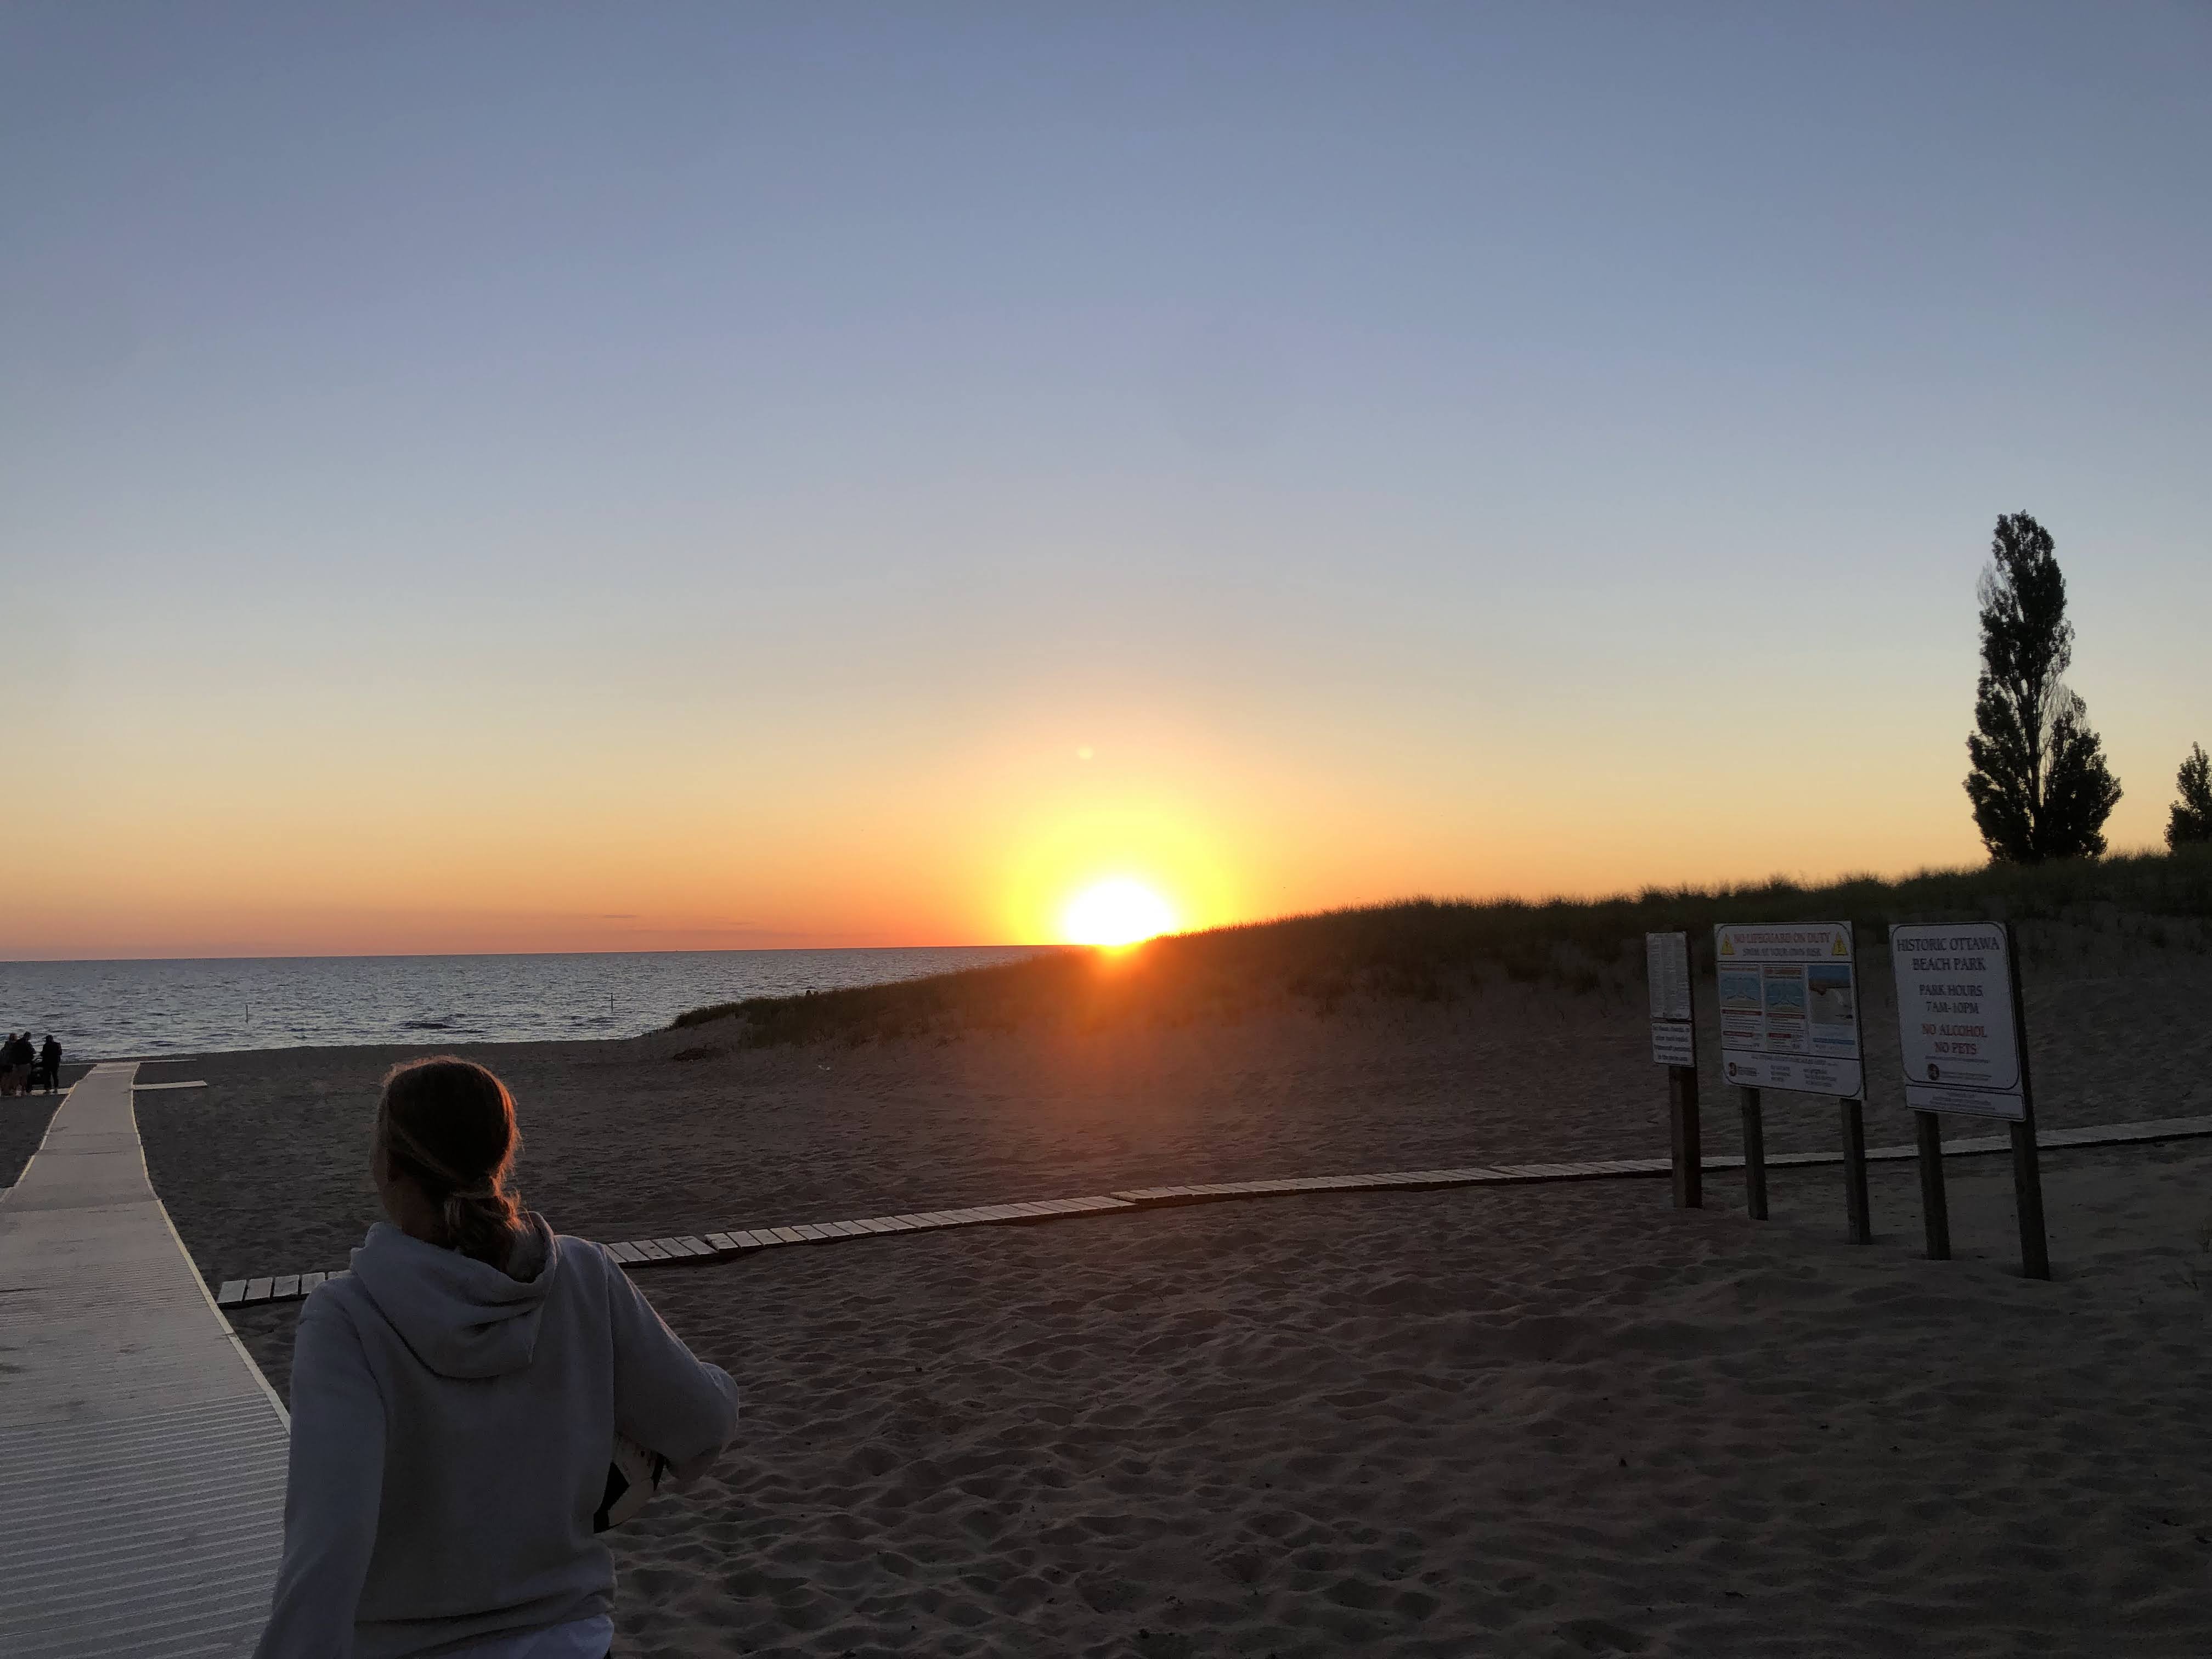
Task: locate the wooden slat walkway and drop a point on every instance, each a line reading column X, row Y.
column 689, row 1249
column 141, row 1455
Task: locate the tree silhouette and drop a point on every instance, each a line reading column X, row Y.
column 2189, row 818
column 2040, row 785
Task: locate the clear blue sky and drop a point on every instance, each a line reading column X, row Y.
column 1415, row 447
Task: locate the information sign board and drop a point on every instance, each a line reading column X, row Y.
column 1673, row 1032
column 1956, row 1038
column 1790, row 1008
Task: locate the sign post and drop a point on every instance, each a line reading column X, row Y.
column 1754, row 1155
column 1789, row 1019
column 1935, row 1203
column 1961, row 1039
column 1675, row 1045
column 1855, row 1206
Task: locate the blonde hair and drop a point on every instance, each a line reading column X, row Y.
column 448, row 1125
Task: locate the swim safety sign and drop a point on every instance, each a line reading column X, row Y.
column 1790, row 1008
column 1955, row 1032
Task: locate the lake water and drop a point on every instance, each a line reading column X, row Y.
column 123, row 1009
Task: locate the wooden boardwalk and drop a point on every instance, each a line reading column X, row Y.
column 691, row 1248
column 141, row 1454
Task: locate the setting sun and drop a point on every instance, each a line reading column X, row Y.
column 1117, row 912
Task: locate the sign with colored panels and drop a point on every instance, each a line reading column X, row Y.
column 1790, row 1008
column 1673, row 1028
column 1956, row 1038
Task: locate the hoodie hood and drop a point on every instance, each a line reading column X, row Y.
column 461, row 1318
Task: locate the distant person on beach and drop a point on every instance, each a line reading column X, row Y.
column 50, row 1063
column 16, row 1064
column 455, row 1404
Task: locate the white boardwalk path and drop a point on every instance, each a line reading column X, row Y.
column 141, row 1455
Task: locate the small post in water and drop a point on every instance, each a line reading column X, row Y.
column 1754, row 1155
column 1935, row 1205
column 1855, row 1175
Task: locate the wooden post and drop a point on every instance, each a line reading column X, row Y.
column 1855, row 1175
column 1754, row 1156
column 2026, row 1167
column 1683, row 1134
column 1935, row 1203
column 2028, row 1199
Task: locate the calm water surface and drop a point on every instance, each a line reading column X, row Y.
column 118, row 1010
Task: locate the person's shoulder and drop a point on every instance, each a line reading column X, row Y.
column 340, row 1296
column 340, row 1309
column 583, row 1255
column 588, row 1272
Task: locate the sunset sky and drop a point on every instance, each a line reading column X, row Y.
column 510, row 477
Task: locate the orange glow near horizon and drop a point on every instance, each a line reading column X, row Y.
column 1119, row 911
column 425, row 838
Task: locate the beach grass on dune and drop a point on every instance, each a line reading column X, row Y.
column 1437, row 951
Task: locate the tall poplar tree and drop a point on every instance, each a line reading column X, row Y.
column 2040, row 785
column 2189, row 820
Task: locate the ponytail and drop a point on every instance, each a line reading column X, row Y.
column 448, row 1125
column 482, row 1222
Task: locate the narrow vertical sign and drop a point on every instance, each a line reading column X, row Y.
column 1674, row 1033
column 1675, row 1045
column 1955, row 1025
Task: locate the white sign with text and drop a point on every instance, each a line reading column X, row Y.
column 1674, row 1033
column 1790, row 1008
column 1956, row 1038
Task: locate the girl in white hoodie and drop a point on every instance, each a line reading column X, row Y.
column 455, row 1400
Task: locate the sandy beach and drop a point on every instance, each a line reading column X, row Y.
column 684, row 1131
column 23, row 1120
column 1546, row 1420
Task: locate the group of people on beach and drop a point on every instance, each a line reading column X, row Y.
column 23, row 1068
